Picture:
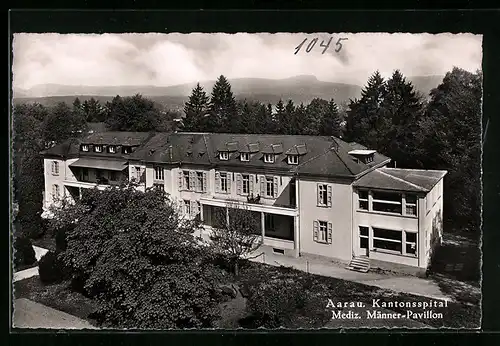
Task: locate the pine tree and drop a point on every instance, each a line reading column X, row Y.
column 280, row 118
column 316, row 111
column 246, row 117
column 223, row 107
column 195, row 110
column 298, row 121
column 364, row 115
column 331, row 123
column 398, row 129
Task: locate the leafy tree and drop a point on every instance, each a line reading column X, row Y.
column 365, row 121
column 94, row 111
column 452, row 141
column 235, row 234
column 137, row 257
column 223, row 107
column 63, row 123
column 133, row 113
column 196, row 109
column 331, row 123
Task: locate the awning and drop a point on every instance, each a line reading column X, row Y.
column 100, row 164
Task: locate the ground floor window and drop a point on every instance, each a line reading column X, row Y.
column 269, row 222
column 385, row 239
column 411, row 243
column 363, row 237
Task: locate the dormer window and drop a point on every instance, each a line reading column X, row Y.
column 293, row 159
column 85, row 147
column 127, row 150
column 112, row 149
column 98, row 148
column 244, row 157
column 224, row 155
column 269, row 158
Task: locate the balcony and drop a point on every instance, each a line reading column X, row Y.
column 251, row 204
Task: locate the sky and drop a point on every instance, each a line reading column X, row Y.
column 170, row 59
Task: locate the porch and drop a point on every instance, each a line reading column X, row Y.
column 278, row 226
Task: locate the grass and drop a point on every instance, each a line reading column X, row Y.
column 57, row 296
column 25, row 266
column 45, row 242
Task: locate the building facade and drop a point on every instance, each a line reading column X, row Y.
column 313, row 195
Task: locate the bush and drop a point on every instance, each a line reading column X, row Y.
column 24, row 254
column 272, row 304
column 60, row 237
column 51, row 269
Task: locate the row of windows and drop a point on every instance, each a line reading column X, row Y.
column 388, row 202
column 110, row 149
column 193, row 181
column 268, row 158
column 393, row 241
column 245, row 184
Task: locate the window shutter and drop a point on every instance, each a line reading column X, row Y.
column 275, row 187
column 229, row 181
column 250, row 179
column 181, row 181
column 192, row 180
column 193, row 208
column 262, row 185
column 329, row 196
column 205, row 180
column 315, row 230
column 329, row 236
column 318, row 194
column 238, row 183
column 217, row 182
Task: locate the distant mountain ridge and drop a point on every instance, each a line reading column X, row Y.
column 298, row 88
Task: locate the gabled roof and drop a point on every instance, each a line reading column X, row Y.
column 400, row 179
column 116, row 138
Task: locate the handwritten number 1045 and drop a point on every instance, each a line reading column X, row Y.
column 325, row 46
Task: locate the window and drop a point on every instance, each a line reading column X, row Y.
column 159, row 173
column 293, row 159
column 244, row 157
column 363, row 237
column 224, row 182
column 363, row 200
column 268, row 158
column 159, row 186
column 390, row 240
column 112, row 149
column 245, row 183
column 98, row 148
column 269, row 222
column 187, row 207
column 197, row 210
column 387, row 202
column 411, row 243
column 138, row 173
column 324, row 192
column 55, row 168
column 55, row 191
column 85, row 174
column 85, row 147
column 200, row 184
column 224, row 155
column 411, row 205
column 269, row 187
column 322, row 232
column 126, row 150
column 186, row 179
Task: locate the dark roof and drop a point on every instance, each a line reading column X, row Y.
column 116, row 138
column 96, row 127
column 297, row 150
column 400, row 179
column 65, row 149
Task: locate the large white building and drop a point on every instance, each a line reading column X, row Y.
column 315, row 196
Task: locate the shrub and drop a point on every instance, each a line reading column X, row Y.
column 272, row 304
column 51, row 269
column 24, row 254
column 60, row 237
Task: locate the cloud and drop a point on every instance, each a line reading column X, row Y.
column 169, row 59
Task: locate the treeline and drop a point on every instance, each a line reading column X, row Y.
column 221, row 112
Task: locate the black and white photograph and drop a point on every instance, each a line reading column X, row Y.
column 245, row 181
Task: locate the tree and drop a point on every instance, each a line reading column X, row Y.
column 133, row 113
column 136, row 255
column 398, row 134
column 452, row 141
column 63, row 123
column 223, row 107
column 195, row 110
column 331, row 123
column 236, row 234
column 94, row 111
column 299, row 121
column 247, row 121
column 317, row 110
column 365, row 122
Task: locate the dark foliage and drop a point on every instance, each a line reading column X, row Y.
column 51, row 268
column 24, row 254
